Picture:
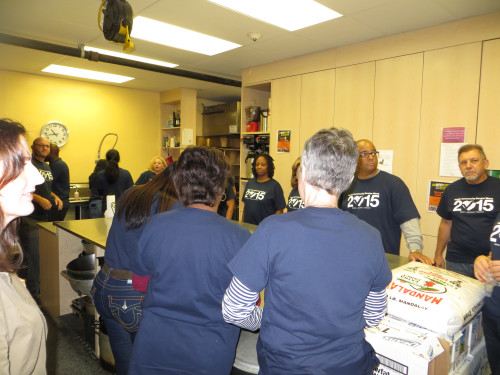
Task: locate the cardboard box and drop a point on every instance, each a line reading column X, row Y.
column 404, row 350
column 475, row 332
column 476, row 363
column 459, row 347
column 407, row 348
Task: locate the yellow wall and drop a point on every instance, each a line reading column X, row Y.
column 89, row 110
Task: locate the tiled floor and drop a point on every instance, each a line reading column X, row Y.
column 67, row 350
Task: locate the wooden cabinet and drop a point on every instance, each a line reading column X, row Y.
column 286, row 115
column 182, row 102
column 398, row 89
column 354, row 96
column 255, row 95
column 317, row 103
column 449, row 98
column 488, row 126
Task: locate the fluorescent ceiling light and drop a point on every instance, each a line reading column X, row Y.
column 178, row 37
column 130, row 57
column 288, row 14
column 84, row 73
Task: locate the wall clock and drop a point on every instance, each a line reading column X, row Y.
column 55, row 132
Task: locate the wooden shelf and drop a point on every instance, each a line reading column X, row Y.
column 252, row 133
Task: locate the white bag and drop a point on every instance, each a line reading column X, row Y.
column 439, row 300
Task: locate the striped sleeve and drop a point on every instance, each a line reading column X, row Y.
column 238, row 306
column 375, row 307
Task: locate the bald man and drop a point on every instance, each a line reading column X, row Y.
column 384, row 201
column 43, row 199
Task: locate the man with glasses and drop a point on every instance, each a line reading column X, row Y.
column 43, row 199
column 384, row 201
column 468, row 209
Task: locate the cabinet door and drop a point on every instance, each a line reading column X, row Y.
column 449, row 98
column 398, row 89
column 354, row 94
column 317, row 103
column 488, row 127
column 285, row 113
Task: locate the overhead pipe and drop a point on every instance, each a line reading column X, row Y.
column 95, row 56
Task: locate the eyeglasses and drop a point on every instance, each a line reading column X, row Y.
column 364, row 155
column 40, row 145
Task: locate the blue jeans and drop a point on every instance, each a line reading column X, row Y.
column 466, row 269
column 28, row 234
column 491, row 328
column 119, row 305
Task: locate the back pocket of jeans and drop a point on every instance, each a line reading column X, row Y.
column 127, row 311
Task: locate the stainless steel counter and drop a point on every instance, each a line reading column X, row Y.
column 91, row 230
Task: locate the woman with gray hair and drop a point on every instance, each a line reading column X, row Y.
column 324, row 272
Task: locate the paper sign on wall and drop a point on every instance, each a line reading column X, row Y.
column 454, row 135
column 284, row 140
column 385, row 158
column 436, row 189
column 448, row 162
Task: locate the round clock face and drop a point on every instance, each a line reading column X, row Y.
column 55, row 132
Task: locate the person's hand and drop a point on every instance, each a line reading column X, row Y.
column 419, row 257
column 482, row 268
column 495, row 269
column 59, row 203
column 439, row 261
column 45, row 203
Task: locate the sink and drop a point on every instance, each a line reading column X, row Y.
column 81, row 200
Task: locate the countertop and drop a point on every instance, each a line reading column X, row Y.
column 96, row 232
column 91, row 230
column 48, row 226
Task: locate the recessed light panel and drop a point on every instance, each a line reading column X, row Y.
column 130, row 57
column 288, row 14
column 178, row 37
column 84, row 73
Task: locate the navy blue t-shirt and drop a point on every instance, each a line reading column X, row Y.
column 294, row 200
column 491, row 307
column 384, row 202
column 145, row 177
column 317, row 266
column 104, row 188
column 472, row 210
column 42, row 190
column 60, row 184
column 227, row 196
column 122, row 244
column 186, row 252
column 262, row 199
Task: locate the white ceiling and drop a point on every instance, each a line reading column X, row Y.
column 74, row 22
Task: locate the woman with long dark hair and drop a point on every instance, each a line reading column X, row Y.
column 23, row 330
column 116, row 292
column 186, row 252
column 113, row 180
column 95, row 201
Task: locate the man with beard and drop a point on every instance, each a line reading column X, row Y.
column 384, row 201
column 43, row 200
column 468, row 209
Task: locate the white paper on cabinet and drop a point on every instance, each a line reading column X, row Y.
column 385, row 158
column 187, row 137
column 448, row 162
